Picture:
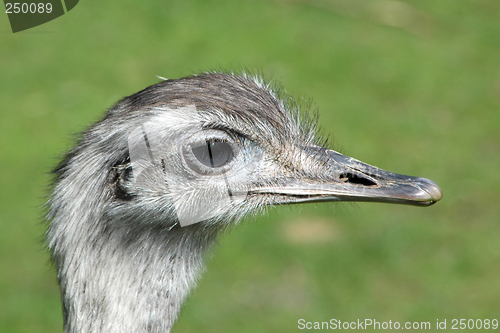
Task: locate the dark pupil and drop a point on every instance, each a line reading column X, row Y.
column 213, row 153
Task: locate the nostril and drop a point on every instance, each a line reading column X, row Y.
column 355, row 179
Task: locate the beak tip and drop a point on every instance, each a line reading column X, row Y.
column 432, row 190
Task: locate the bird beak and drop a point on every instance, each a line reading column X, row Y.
column 347, row 179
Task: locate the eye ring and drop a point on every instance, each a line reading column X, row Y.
column 210, row 154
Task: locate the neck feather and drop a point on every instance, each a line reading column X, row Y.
column 136, row 287
column 120, row 274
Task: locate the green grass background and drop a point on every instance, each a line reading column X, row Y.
column 412, row 87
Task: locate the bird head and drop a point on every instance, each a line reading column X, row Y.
column 211, row 148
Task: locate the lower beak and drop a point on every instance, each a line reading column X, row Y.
column 347, row 179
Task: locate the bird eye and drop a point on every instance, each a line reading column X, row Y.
column 210, row 153
column 213, row 153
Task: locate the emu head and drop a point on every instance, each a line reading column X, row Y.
column 208, row 149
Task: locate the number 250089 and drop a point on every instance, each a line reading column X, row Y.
column 471, row 323
column 16, row 8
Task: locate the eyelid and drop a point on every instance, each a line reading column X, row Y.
column 235, row 134
column 202, row 142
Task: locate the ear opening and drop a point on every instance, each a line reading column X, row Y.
column 121, row 181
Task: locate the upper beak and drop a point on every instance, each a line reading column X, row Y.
column 347, row 179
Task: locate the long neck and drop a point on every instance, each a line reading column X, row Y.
column 112, row 287
column 139, row 290
column 120, row 274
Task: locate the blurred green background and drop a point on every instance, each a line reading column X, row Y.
column 410, row 86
